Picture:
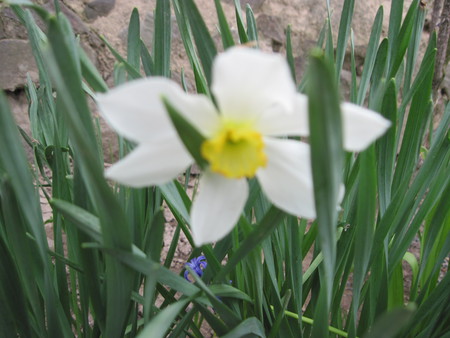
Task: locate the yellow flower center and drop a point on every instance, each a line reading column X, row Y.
column 235, row 151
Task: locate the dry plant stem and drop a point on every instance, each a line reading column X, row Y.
column 435, row 15
column 442, row 42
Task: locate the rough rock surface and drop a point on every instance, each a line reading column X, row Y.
column 110, row 18
column 98, row 8
column 17, row 61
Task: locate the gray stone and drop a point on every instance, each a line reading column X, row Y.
column 98, row 8
column 16, row 60
column 10, row 26
column 79, row 27
column 255, row 5
column 272, row 28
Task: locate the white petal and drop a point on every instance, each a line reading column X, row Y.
column 361, row 126
column 281, row 124
column 152, row 163
column 287, row 179
column 247, row 82
column 217, row 207
column 135, row 109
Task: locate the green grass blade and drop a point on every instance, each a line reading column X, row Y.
column 162, row 39
column 426, row 67
column 371, row 54
column 14, row 164
column 421, row 108
column 186, row 37
column 395, row 21
column 243, row 38
column 91, row 74
column 252, row 31
column 264, row 229
column 251, row 326
column 403, row 201
column 353, row 85
column 390, row 324
column 289, row 53
column 326, row 156
column 400, row 42
column 115, row 230
column 205, row 45
column 190, row 136
column 147, row 60
column 159, row 325
column 343, row 35
column 134, row 41
column 227, row 315
column 327, row 160
column 413, row 48
column 377, row 78
column 132, row 72
column 435, row 232
column 386, row 148
column 365, row 223
column 225, row 32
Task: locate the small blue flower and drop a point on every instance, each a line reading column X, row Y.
column 198, row 264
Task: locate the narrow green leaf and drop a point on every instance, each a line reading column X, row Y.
column 243, row 38
column 326, row 156
column 175, row 199
column 353, row 86
column 379, row 67
column 186, row 37
column 132, row 72
column 414, row 45
column 386, row 148
column 264, row 229
column 163, row 320
column 65, row 70
column 203, row 40
column 371, row 54
column 390, row 324
column 13, row 163
column 413, row 263
column 280, row 315
column 421, row 108
column 343, row 35
column 365, row 224
column 252, row 30
column 91, row 74
column 162, row 38
column 289, row 54
column 20, row 2
column 147, row 60
column 225, row 32
column 229, row 317
column 405, row 235
column 395, row 21
column 251, row 326
column 190, row 136
column 435, row 233
column 426, row 67
column 133, row 41
column 401, row 41
column 402, row 204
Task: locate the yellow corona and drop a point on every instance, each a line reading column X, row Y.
column 235, row 151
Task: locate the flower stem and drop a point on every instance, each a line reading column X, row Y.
column 311, row 321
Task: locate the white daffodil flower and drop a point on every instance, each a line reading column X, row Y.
column 257, row 103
